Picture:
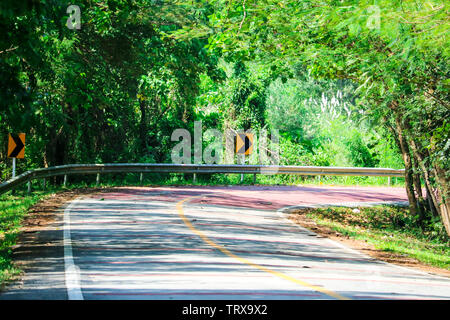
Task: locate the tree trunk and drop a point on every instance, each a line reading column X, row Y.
column 440, row 197
column 427, row 175
column 418, row 188
column 443, row 196
column 401, row 141
column 416, row 178
column 431, row 199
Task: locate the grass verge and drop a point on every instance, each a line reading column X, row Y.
column 389, row 229
column 13, row 209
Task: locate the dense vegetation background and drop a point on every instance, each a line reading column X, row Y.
column 347, row 83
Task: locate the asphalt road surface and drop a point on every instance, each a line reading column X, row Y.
column 214, row 243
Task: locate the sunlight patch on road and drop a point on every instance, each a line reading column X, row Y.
column 179, row 207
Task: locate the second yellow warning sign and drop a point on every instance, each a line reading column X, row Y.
column 244, row 143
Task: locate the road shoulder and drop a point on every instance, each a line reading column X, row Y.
column 297, row 217
column 39, row 251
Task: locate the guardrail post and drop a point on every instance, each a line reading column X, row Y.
column 65, row 181
column 43, row 183
column 254, row 178
column 389, row 181
column 141, row 177
column 29, row 186
column 242, row 177
column 97, row 180
column 194, row 178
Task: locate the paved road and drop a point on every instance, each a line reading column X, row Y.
column 217, row 243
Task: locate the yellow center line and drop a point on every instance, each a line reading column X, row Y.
column 248, row 262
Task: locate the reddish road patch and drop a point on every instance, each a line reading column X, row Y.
column 260, row 197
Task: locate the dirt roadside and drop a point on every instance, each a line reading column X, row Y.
column 298, row 217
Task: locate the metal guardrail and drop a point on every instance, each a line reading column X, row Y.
column 65, row 170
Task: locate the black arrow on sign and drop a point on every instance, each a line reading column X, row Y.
column 247, row 143
column 19, row 146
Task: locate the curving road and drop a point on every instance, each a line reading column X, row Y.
column 216, row 243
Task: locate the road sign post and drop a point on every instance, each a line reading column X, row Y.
column 244, row 147
column 14, row 167
column 13, row 171
column 16, row 149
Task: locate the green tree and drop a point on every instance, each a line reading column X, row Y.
column 396, row 51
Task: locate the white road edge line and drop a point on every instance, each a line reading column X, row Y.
column 72, row 272
column 282, row 212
